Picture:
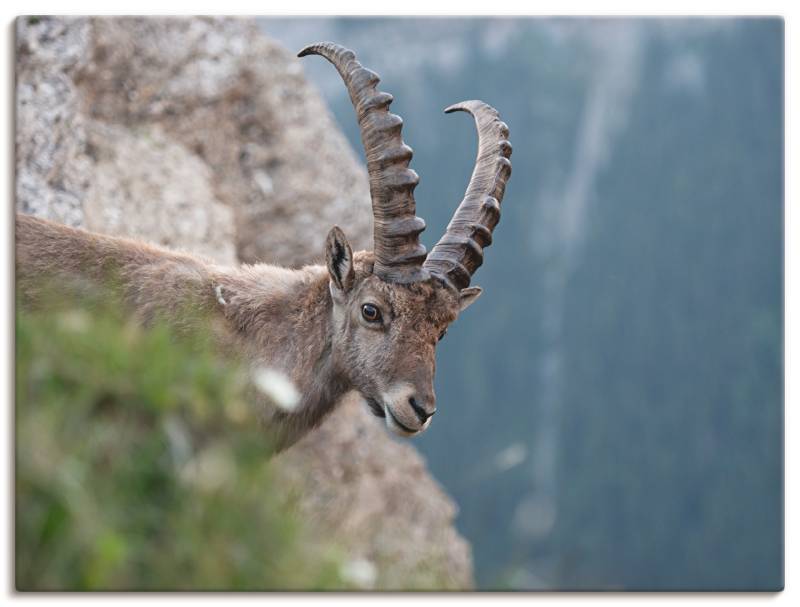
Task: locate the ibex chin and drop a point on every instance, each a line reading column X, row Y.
column 368, row 321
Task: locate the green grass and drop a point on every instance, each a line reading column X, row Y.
column 141, row 466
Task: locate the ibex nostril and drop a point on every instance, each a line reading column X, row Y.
column 419, row 410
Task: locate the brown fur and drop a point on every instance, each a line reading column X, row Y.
column 306, row 323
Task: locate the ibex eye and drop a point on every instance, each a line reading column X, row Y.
column 370, row 313
column 442, row 334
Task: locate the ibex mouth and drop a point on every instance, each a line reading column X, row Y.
column 377, row 409
column 395, row 424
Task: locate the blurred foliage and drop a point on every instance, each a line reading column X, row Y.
column 140, row 466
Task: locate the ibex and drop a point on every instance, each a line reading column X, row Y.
column 368, row 321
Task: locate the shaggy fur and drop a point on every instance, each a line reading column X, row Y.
column 306, row 323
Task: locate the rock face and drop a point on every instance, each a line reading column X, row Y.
column 202, row 134
column 376, row 497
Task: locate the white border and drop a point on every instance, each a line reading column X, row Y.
column 304, row 7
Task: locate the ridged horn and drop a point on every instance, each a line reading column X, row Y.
column 459, row 253
column 399, row 255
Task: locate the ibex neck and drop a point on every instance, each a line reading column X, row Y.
column 283, row 318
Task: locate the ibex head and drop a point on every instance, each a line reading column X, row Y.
column 392, row 306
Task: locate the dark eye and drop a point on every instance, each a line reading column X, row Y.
column 442, row 334
column 370, row 313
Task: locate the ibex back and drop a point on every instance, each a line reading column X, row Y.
column 367, row 321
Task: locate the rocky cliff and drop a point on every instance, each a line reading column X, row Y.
column 204, row 135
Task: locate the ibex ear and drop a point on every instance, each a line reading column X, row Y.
column 468, row 296
column 339, row 256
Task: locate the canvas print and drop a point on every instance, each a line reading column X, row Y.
column 271, row 336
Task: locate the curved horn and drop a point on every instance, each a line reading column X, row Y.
column 460, row 251
column 398, row 252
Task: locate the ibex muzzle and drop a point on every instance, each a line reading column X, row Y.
column 391, row 307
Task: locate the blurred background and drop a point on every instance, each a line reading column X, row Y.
column 611, row 410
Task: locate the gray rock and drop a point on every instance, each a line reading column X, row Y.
column 374, row 496
column 240, row 103
column 53, row 169
column 202, row 134
column 163, row 193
